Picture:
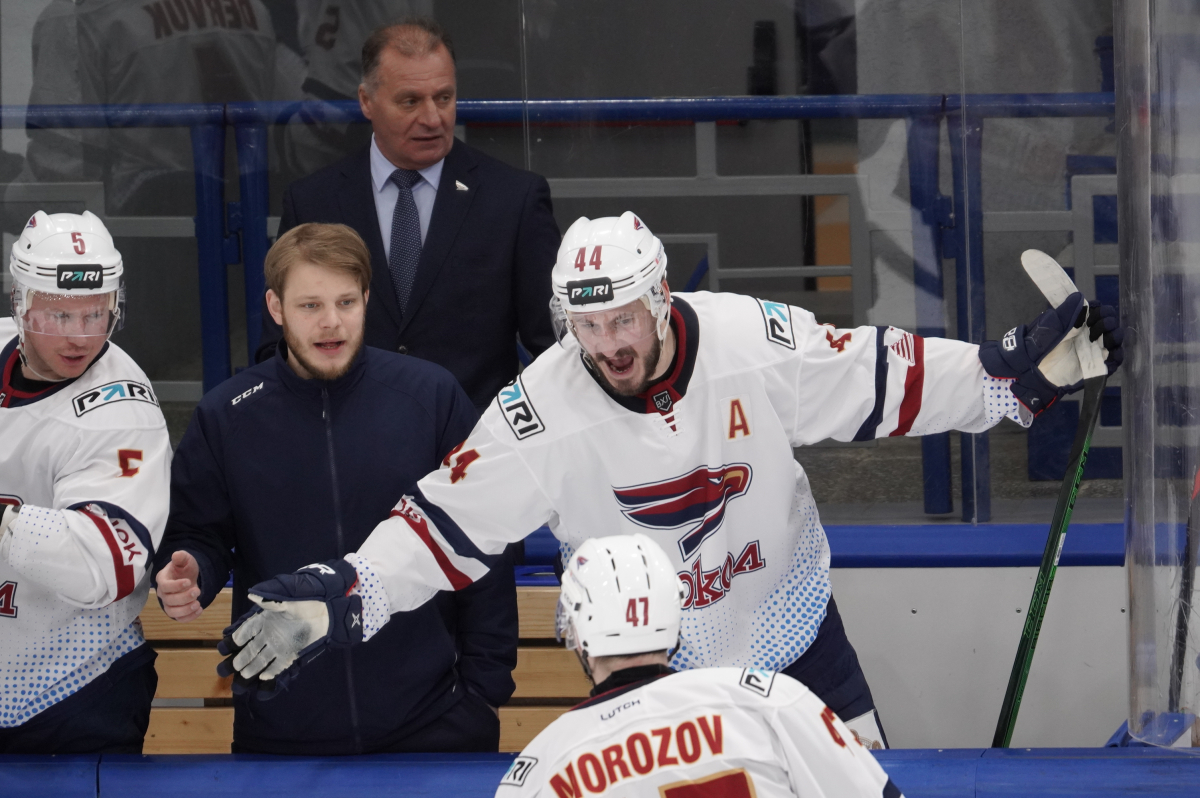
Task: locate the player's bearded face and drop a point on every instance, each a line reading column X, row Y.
column 623, row 344
column 64, row 334
column 322, row 314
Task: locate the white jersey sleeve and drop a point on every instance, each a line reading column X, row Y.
column 716, row 731
column 874, row 382
column 420, row 549
column 95, row 542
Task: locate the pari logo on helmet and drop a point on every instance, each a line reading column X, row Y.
column 696, row 500
column 589, row 292
column 90, row 276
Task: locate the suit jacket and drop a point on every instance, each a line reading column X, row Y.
column 484, row 272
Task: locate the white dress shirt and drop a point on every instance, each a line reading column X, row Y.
column 424, row 192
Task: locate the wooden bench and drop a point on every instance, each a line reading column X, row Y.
column 548, row 677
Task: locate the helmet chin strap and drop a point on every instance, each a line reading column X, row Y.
column 587, row 669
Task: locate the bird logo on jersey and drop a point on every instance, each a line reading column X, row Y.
column 696, row 500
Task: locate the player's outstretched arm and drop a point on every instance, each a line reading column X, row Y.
column 445, row 534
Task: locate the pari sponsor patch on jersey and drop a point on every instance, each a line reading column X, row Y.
column 119, row 391
column 696, row 500
column 518, row 410
column 519, row 770
column 81, row 276
column 778, row 320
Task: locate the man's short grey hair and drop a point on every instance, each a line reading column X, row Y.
column 412, row 37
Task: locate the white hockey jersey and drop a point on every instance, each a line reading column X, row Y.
column 719, row 731
column 702, row 463
column 89, row 463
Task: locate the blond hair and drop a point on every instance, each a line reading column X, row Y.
column 329, row 246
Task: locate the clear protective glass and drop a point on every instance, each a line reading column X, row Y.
column 1159, row 173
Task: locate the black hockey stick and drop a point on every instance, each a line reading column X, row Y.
column 1186, row 586
column 1093, row 391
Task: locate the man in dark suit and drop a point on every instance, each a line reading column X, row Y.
column 461, row 243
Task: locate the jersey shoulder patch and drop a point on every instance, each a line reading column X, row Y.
column 517, row 409
column 757, row 680
column 519, row 771
column 116, row 391
column 777, row 319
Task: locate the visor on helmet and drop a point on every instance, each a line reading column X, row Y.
column 606, row 331
column 45, row 313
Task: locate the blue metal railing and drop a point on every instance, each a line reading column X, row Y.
column 207, row 125
column 943, row 227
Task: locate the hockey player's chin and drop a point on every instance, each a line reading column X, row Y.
column 623, row 375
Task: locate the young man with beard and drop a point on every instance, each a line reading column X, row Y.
column 294, row 461
column 677, row 416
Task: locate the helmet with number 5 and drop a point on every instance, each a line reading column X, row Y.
column 620, row 596
column 607, row 263
column 66, row 255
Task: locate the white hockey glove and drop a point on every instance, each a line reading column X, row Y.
column 298, row 616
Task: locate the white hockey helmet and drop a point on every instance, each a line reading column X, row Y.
column 620, row 595
column 65, row 256
column 604, row 264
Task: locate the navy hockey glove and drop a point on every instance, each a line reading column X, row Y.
column 298, row 617
column 1022, row 355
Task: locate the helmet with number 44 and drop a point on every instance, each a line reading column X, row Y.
column 603, row 267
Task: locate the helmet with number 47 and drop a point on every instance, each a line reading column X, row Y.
column 604, row 265
column 620, row 596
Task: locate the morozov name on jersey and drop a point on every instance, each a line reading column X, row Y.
column 119, row 391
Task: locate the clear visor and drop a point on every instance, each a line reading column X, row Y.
column 564, row 629
column 58, row 314
column 608, row 331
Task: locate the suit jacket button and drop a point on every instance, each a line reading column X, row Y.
column 403, row 349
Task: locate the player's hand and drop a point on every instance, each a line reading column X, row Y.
column 179, row 588
column 1040, row 357
column 298, row 616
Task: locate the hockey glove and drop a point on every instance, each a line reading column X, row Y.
column 1040, row 357
column 298, row 616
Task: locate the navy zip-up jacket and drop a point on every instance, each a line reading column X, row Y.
column 276, row 472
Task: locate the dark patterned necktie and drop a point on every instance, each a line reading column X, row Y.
column 406, row 237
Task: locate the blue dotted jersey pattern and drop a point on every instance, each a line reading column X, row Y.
column 999, row 402
column 374, row 599
column 406, row 237
column 40, row 673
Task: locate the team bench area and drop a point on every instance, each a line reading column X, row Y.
column 548, row 678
